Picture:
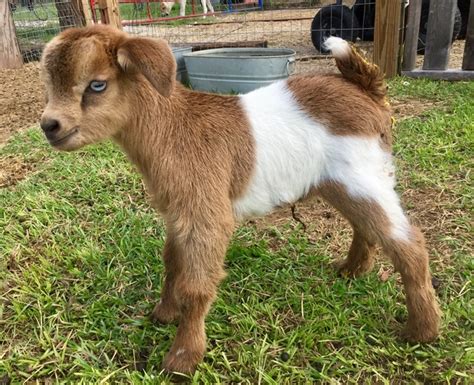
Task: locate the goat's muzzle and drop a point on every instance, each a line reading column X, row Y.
column 50, row 127
column 53, row 132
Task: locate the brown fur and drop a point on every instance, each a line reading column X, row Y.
column 370, row 115
column 366, row 75
column 350, row 103
column 196, row 159
column 341, row 105
column 371, row 226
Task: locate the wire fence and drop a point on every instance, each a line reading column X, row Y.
column 38, row 21
column 283, row 23
column 301, row 25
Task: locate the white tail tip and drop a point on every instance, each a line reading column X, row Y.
column 338, row 47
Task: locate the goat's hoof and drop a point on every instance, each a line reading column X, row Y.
column 349, row 269
column 164, row 314
column 181, row 362
column 421, row 333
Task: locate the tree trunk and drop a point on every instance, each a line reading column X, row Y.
column 10, row 56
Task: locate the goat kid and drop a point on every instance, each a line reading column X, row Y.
column 166, row 7
column 211, row 160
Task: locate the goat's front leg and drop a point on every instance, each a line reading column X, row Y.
column 167, row 310
column 201, row 258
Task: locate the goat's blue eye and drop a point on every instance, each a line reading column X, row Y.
column 97, row 86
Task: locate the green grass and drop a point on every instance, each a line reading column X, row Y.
column 80, row 271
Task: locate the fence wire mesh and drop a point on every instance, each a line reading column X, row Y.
column 38, row 21
column 301, row 25
column 283, row 23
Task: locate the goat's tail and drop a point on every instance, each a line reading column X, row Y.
column 356, row 69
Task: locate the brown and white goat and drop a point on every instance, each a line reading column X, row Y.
column 210, row 160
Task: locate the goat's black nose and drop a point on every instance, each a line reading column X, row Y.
column 49, row 126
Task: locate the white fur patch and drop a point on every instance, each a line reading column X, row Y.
column 289, row 151
column 180, row 351
column 338, row 47
column 367, row 171
column 295, row 153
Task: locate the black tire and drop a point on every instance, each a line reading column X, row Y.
column 364, row 11
column 333, row 20
column 425, row 10
column 464, row 6
column 457, row 24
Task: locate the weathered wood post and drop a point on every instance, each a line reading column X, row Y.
column 439, row 34
column 411, row 39
column 468, row 60
column 388, row 21
column 110, row 13
column 438, row 44
column 83, row 9
column 87, row 11
column 10, row 56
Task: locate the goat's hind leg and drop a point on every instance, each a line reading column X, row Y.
column 360, row 259
column 410, row 258
column 383, row 221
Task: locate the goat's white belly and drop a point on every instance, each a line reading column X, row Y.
column 289, row 151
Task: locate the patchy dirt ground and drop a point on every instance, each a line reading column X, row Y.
column 21, row 99
column 13, row 169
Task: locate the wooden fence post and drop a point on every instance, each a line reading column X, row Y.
column 110, row 13
column 388, row 17
column 411, row 38
column 468, row 60
column 83, row 9
column 86, row 9
column 439, row 34
column 10, row 56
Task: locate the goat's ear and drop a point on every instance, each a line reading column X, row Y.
column 151, row 57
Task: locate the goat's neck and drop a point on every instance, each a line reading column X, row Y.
column 151, row 127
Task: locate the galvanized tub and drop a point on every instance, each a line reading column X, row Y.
column 238, row 70
column 181, row 73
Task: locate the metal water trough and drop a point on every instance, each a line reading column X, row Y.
column 181, row 73
column 238, row 70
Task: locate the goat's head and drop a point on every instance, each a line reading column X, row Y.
column 93, row 78
column 166, row 7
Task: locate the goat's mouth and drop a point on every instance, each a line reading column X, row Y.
column 62, row 139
